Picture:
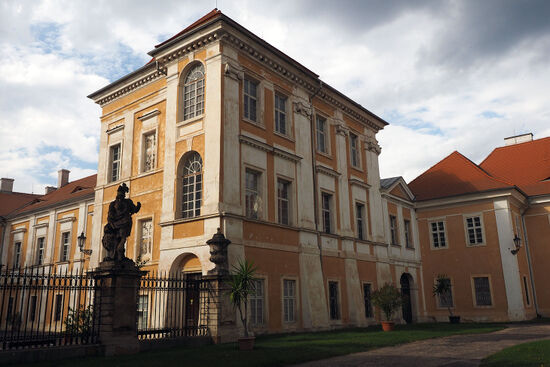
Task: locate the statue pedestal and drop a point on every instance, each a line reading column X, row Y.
column 222, row 321
column 115, row 299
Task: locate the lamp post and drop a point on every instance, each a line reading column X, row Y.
column 517, row 244
column 81, row 243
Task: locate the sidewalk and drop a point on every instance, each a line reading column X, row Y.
column 455, row 351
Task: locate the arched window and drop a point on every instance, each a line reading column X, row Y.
column 193, row 92
column 191, row 186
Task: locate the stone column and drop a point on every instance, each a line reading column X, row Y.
column 116, row 301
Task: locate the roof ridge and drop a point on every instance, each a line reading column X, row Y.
column 513, row 146
column 433, row 165
column 483, row 171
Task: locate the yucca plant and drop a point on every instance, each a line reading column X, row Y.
column 242, row 285
column 442, row 288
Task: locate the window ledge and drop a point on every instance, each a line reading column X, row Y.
column 410, row 248
column 476, row 245
column 254, row 123
column 324, row 154
column 189, row 120
column 284, row 136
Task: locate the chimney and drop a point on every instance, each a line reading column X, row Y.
column 49, row 189
column 62, row 177
column 516, row 139
column 6, row 184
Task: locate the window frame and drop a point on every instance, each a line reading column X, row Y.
column 143, row 151
column 190, row 68
column 182, row 175
column 361, row 228
column 327, row 213
column 474, row 298
column 294, row 300
column 40, row 251
column 466, row 230
column 17, row 251
column 62, row 246
column 354, row 153
column 276, row 113
column 407, row 232
column 259, row 192
column 139, row 237
column 430, row 231
column 338, row 300
column 288, row 199
column 258, row 98
column 366, row 314
column 264, row 302
column 146, row 312
column 394, row 230
column 111, row 162
column 58, row 307
column 326, row 134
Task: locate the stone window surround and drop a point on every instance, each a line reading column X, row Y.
column 181, row 86
column 110, row 162
column 328, row 139
column 261, row 188
column 260, row 98
column 137, row 239
column 290, row 324
column 151, row 129
column 332, row 214
column 488, row 276
column 289, row 115
column 291, row 198
column 70, row 235
column 483, row 233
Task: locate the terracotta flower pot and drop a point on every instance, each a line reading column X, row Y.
column 246, row 343
column 387, row 325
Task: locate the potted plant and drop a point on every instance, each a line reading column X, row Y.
column 442, row 288
column 242, row 284
column 388, row 298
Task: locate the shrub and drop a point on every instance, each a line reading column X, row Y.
column 388, row 298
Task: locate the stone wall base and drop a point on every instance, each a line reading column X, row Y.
column 16, row 357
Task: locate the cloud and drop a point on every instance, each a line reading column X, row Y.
column 448, row 75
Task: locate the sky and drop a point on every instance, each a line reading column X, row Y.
column 447, row 75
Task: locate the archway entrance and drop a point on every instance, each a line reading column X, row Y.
column 406, row 280
column 187, row 267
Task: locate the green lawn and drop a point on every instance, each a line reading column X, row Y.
column 535, row 354
column 284, row 349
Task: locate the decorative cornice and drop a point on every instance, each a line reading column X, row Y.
column 148, row 115
column 19, row 230
column 371, row 144
column 341, row 129
column 190, row 47
column 233, row 71
column 147, row 79
column 302, row 109
column 356, row 182
column 66, row 219
column 115, row 129
column 41, row 225
column 327, row 171
column 268, row 148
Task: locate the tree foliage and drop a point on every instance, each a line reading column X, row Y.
column 388, row 298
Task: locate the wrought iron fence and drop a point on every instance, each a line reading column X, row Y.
column 41, row 307
column 170, row 306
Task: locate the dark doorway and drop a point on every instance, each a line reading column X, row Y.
column 192, row 302
column 406, row 294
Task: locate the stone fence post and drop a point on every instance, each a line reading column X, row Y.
column 116, row 297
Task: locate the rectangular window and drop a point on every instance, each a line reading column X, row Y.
column 17, row 254
column 149, row 151
column 354, row 147
column 58, row 307
column 446, row 299
column 32, row 311
column 250, row 99
column 326, row 201
column 526, row 289
column 145, row 240
column 333, row 300
column 359, row 214
column 393, row 230
column 283, row 188
column 407, row 227
column 40, row 251
column 475, row 233
column 257, row 302
column 289, row 300
column 142, row 311
column 438, row 234
column 114, row 173
column 482, row 291
column 65, row 244
column 252, row 194
column 321, row 134
column 367, row 288
column 280, row 114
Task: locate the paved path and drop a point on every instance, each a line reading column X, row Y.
column 450, row 351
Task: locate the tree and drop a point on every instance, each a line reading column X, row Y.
column 388, row 298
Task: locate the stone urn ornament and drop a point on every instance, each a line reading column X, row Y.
column 218, row 254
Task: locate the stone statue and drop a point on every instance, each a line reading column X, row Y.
column 119, row 225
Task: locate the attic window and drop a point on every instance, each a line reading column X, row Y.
column 78, row 188
column 546, row 179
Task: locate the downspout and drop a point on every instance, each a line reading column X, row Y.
column 4, row 223
column 314, row 174
column 529, row 265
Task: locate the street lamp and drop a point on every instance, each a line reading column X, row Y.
column 81, row 243
column 517, row 244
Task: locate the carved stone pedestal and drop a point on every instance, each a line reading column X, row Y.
column 221, row 321
column 115, row 299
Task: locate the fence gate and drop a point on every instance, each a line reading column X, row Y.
column 41, row 307
column 173, row 305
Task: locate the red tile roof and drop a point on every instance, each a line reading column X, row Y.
column 11, row 201
column 527, row 165
column 71, row 191
column 212, row 14
column 454, row 175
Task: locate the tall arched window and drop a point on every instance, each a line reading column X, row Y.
column 191, row 186
column 193, row 92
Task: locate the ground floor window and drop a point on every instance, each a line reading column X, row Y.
column 257, row 302
column 367, row 288
column 142, row 311
column 289, row 300
column 333, row 300
column 482, row 290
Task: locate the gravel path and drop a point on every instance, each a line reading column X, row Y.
column 450, row 351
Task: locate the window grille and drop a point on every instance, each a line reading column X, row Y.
column 482, row 291
column 193, row 93
column 192, row 186
column 280, row 114
column 250, row 99
column 289, row 300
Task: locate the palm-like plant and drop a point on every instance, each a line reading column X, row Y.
column 242, row 284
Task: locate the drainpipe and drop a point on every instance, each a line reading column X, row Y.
column 529, row 265
column 3, row 222
column 314, row 173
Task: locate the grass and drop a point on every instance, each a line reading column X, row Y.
column 284, row 349
column 535, row 354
